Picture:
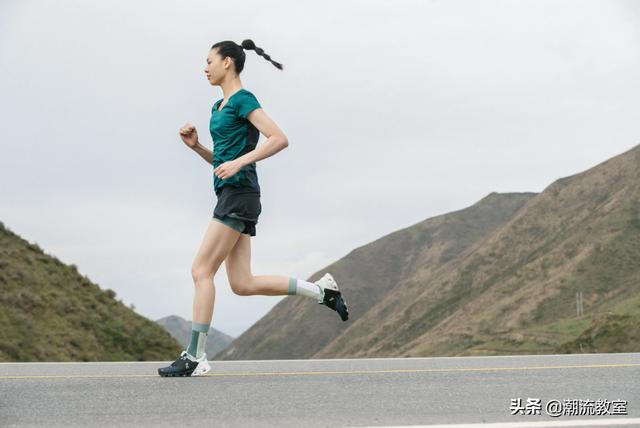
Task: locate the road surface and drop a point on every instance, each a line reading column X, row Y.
column 452, row 391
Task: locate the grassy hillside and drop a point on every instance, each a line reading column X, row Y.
column 499, row 277
column 514, row 292
column 369, row 274
column 49, row 312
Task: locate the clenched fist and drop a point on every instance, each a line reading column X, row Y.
column 189, row 135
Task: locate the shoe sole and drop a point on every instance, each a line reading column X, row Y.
column 202, row 368
column 344, row 304
column 346, row 310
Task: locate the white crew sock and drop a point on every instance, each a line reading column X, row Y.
column 305, row 288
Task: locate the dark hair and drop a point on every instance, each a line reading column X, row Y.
column 229, row 48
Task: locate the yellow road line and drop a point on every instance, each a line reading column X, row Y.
column 302, row 373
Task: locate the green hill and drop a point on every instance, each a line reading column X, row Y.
column 498, row 277
column 50, row 312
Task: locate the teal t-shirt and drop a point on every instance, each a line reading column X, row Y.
column 233, row 136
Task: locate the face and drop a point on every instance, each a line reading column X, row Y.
column 216, row 68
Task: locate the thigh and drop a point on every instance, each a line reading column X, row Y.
column 238, row 262
column 216, row 244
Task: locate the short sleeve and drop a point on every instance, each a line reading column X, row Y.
column 246, row 104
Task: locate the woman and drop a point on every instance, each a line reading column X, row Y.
column 235, row 125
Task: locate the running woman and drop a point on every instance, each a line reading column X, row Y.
column 236, row 123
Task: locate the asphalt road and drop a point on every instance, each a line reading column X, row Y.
column 335, row 392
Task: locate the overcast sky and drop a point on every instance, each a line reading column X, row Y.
column 395, row 111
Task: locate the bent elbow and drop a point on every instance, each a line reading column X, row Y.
column 285, row 142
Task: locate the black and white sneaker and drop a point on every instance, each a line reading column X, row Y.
column 331, row 296
column 186, row 365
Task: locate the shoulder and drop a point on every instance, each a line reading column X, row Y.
column 245, row 102
column 245, row 94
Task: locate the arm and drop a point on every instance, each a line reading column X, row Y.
column 189, row 136
column 276, row 140
column 205, row 153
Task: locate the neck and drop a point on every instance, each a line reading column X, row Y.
column 230, row 87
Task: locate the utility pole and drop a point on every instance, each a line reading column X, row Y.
column 579, row 307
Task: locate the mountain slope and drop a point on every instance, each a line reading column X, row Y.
column 368, row 274
column 49, row 312
column 499, row 277
column 514, row 292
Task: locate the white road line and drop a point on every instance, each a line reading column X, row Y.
column 563, row 423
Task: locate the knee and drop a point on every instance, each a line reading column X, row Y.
column 241, row 287
column 205, row 271
column 198, row 274
column 202, row 273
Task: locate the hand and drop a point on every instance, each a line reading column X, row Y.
column 189, row 135
column 227, row 169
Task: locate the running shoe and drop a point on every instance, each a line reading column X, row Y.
column 330, row 296
column 186, row 365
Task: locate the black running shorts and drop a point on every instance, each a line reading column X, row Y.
column 239, row 204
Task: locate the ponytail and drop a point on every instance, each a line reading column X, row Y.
column 229, row 48
column 249, row 45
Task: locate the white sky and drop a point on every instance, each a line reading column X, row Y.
column 395, row 111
